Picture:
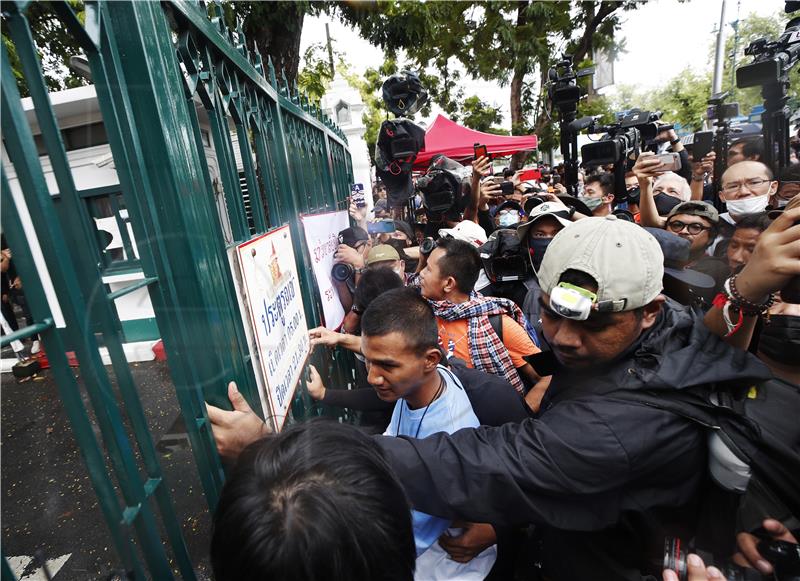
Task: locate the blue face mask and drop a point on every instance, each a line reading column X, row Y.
column 537, row 248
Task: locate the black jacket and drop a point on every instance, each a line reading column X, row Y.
column 604, row 479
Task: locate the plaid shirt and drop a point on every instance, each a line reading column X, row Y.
column 486, row 350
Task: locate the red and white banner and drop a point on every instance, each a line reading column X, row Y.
column 321, row 232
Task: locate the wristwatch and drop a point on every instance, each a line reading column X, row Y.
column 675, row 142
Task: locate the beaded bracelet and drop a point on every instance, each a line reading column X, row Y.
column 745, row 306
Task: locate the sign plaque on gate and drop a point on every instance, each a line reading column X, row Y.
column 278, row 322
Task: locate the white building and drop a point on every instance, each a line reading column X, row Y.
column 344, row 105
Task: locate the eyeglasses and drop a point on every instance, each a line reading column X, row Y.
column 694, row 228
column 751, row 185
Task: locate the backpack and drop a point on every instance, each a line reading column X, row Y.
column 754, row 440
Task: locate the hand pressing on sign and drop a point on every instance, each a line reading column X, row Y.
column 235, row 430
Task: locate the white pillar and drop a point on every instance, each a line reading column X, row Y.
column 344, row 105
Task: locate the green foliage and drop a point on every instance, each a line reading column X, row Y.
column 481, row 116
column 315, row 76
column 683, row 99
column 54, row 46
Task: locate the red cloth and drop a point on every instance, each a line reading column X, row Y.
column 457, row 142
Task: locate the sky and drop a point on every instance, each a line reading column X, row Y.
column 662, row 38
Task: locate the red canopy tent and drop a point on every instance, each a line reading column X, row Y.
column 456, row 142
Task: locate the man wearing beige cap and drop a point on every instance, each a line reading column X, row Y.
column 604, row 480
column 385, row 256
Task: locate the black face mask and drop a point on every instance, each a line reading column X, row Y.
column 780, row 339
column 665, row 203
column 633, row 195
column 537, row 247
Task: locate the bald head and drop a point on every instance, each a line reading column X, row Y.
column 741, row 174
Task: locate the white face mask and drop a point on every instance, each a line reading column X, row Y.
column 508, row 220
column 747, row 206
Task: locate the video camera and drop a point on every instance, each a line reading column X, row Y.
column 564, row 93
column 772, row 61
column 722, row 113
column 441, row 187
column 719, row 110
column 622, row 139
column 563, row 90
column 622, row 143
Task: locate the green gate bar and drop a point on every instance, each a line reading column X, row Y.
column 294, row 161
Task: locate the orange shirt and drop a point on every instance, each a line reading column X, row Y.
column 515, row 338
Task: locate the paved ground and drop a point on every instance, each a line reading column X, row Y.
column 49, row 509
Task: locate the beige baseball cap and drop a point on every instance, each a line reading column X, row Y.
column 381, row 253
column 624, row 259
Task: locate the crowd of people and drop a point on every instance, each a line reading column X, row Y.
column 522, row 357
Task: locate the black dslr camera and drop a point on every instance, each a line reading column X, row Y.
column 342, row 271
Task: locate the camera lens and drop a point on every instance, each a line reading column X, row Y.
column 427, row 246
column 675, row 557
column 342, row 272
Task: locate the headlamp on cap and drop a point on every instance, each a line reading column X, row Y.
column 572, row 302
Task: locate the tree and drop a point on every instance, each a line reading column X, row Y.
column 274, row 29
column 504, row 41
column 481, row 116
column 683, row 99
column 54, row 44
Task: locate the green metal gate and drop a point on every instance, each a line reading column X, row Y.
column 157, row 67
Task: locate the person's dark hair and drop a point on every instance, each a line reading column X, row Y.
column 461, row 261
column 317, row 502
column 758, row 222
column 508, row 173
column 588, row 282
column 373, row 282
column 752, row 148
column 606, row 181
column 402, row 311
column 791, row 173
